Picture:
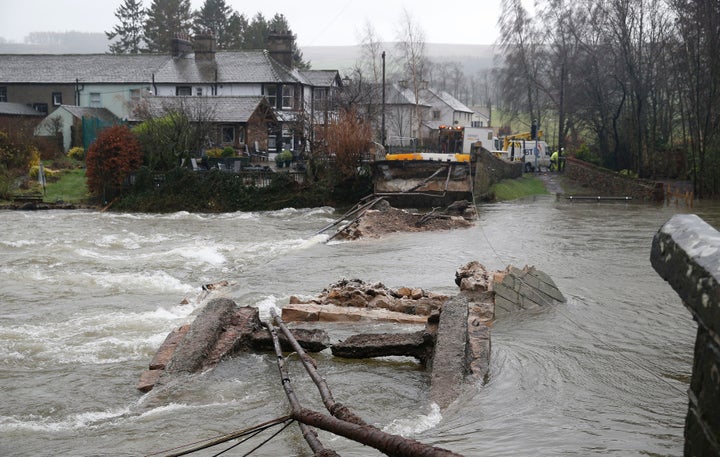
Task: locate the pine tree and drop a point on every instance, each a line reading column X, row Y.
column 130, row 30
column 237, row 28
column 166, row 19
column 257, row 33
column 227, row 25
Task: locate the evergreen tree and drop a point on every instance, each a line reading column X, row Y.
column 166, row 19
column 130, row 29
column 257, row 33
column 237, row 28
column 226, row 24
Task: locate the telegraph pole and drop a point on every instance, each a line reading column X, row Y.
column 382, row 133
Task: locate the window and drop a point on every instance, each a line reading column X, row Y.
column 95, row 100
column 134, row 94
column 436, row 115
column 271, row 95
column 320, row 98
column 57, row 98
column 183, row 90
column 288, row 97
column 228, row 134
column 198, row 91
column 272, row 143
column 3, row 93
column 40, row 107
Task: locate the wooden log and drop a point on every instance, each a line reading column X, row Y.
column 308, row 434
column 389, row 444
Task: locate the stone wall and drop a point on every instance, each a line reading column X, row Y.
column 490, row 170
column 607, row 183
column 686, row 253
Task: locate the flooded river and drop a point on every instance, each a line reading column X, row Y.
column 87, row 297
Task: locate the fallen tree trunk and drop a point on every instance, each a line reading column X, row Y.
column 363, row 433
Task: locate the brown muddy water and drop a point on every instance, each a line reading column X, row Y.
column 87, row 297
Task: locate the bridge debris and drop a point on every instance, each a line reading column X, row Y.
column 454, row 344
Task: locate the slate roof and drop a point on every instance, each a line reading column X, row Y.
column 451, row 101
column 320, row 78
column 17, row 109
column 396, row 95
column 229, row 66
column 224, row 109
column 66, row 69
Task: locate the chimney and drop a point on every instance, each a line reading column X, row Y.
column 180, row 45
column 204, row 45
column 280, row 47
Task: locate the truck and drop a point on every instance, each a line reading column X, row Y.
column 521, row 147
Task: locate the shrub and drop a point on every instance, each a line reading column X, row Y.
column 228, row 152
column 111, row 158
column 214, row 153
column 76, row 153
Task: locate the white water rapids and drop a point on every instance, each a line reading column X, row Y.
column 86, row 298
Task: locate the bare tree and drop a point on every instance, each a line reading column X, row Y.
column 413, row 61
column 521, row 43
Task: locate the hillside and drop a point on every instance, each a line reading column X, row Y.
column 473, row 57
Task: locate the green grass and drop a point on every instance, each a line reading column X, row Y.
column 510, row 189
column 70, row 188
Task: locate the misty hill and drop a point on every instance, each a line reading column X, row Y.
column 473, row 58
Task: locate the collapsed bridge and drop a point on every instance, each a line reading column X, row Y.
column 453, row 343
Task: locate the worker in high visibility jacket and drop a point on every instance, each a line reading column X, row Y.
column 554, row 161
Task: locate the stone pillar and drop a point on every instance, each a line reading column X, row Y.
column 686, row 253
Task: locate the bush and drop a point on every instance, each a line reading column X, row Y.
column 228, row 152
column 111, row 158
column 586, row 155
column 214, row 153
column 76, row 153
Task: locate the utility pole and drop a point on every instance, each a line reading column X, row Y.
column 382, row 133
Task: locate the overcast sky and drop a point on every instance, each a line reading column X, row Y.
column 315, row 22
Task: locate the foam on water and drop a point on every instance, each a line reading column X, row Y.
column 157, row 281
column 102, row 338
column 265, row 305
column 411, row 426
column 204, row 255
column 74, row 421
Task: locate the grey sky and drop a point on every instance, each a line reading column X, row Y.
column 316, row 22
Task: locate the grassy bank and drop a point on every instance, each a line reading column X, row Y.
column 511, row 189
column 69, row 188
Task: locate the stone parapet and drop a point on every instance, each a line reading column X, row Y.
column 611, row 183
column 686, row 253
